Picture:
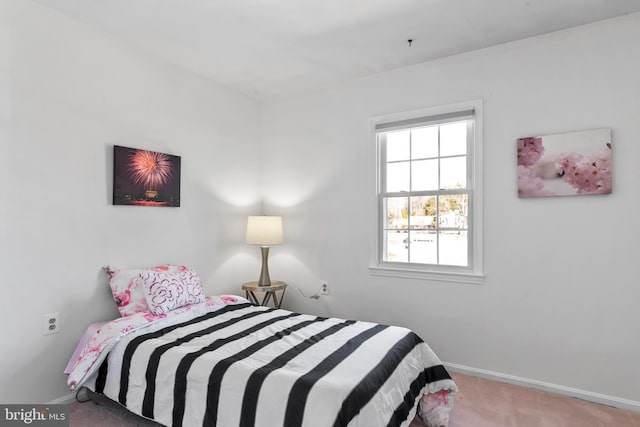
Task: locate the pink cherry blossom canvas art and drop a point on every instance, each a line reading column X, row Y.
column 565, row 164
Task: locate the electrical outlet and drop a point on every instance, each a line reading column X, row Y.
column 50, row 323
column 324, row 287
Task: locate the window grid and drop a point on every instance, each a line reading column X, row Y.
column 438, row 193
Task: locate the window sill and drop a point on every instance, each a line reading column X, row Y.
column 441, row 276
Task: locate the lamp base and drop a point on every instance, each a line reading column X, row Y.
column 264, row 280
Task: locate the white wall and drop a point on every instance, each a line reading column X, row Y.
column 68, row 94
column 560, row 299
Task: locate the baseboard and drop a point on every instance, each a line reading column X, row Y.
column 64, row 400
column 616, row 402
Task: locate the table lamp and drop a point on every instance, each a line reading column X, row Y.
column 264, row 231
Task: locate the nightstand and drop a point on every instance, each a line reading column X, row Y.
column 270, row 292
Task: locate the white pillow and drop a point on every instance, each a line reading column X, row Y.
column 126, row 287
column 166, row 291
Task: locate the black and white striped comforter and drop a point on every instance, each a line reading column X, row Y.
column 243, row 365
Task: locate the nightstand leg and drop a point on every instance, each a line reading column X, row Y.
column 277, row 303
column 252, row 298
column 265, row 300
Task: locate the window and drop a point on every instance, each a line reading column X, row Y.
column 429, row 198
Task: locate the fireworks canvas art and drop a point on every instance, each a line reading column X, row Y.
column 566, row 164
column 145, row 178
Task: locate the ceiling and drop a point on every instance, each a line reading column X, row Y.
column 270, row 49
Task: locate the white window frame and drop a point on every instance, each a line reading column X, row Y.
column 474, row 273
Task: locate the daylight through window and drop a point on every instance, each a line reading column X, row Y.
column 426, row 190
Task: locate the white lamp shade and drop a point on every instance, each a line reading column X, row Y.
column 264, row 230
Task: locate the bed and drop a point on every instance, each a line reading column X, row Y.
column 222, row 361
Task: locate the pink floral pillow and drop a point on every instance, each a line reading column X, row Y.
column 166, row 291
column 127, row 289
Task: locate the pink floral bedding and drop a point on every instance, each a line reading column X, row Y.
column 100, row 340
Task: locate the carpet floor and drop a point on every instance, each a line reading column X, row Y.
column 480, row 403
